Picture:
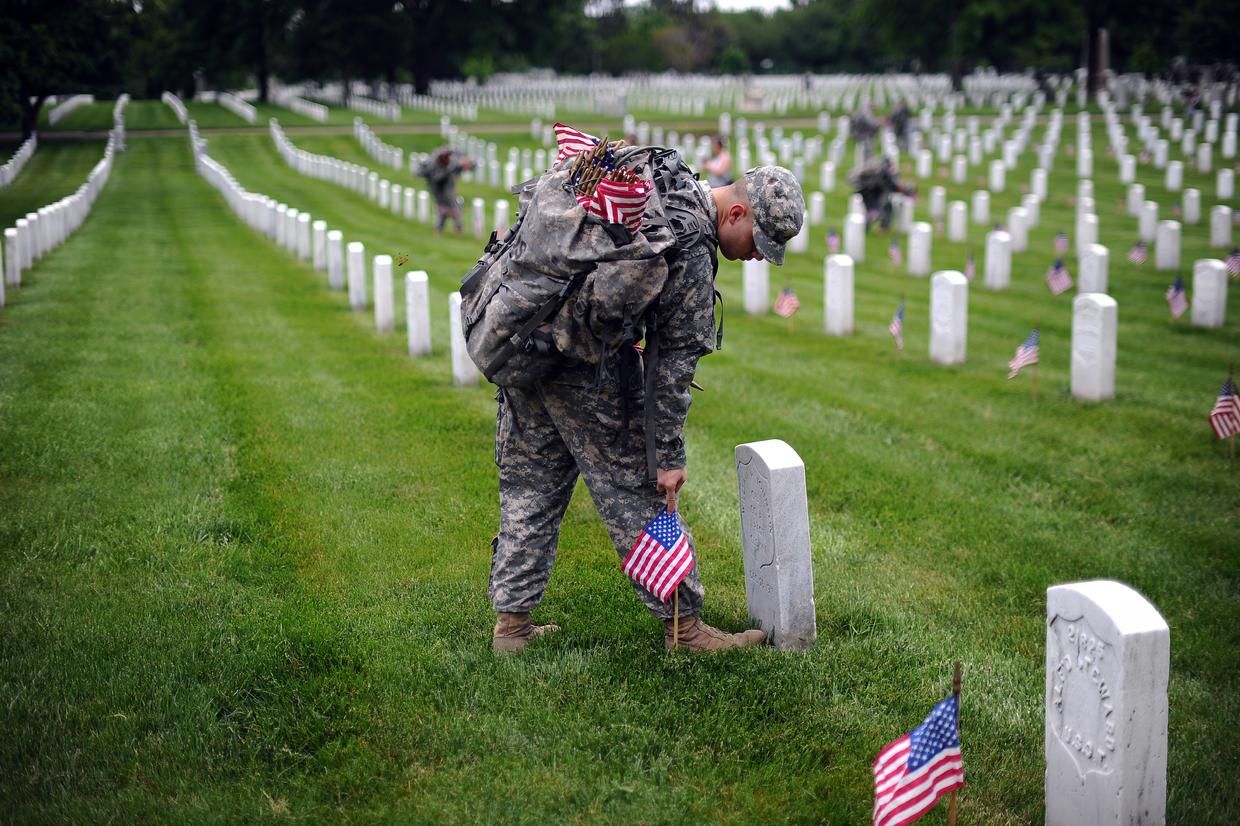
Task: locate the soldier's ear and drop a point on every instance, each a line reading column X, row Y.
column 737, row 212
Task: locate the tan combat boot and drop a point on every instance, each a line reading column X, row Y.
column 514, row 631
column 696, row 635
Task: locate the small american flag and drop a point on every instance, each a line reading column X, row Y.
column 1175, row 210
column 894, row 251
column 896, row 328
column 1061, row 243
column 912, row 773
column 661, row 557
column 1057, row 277
column 787, row 304
column 970, row 268
column 1233, row 262
column 1138, row 253
column 1026, row 354
column 570, row 141
column 1177, row 301
column 1225, row 417
column 833, row 241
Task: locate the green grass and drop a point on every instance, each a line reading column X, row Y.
column 53, row 171
column 246, row 539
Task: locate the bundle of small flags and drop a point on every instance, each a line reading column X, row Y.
column 661, row 557
column 1233, row 262
column 1177, row 301
column 833, row 241
column 1061, row 243
column 1138, row 253
column 1225, row 417
column 896, row 328
column 970, row 268
column 1057, row 277
column 787, row 303
column 912, row 773
column 1026, row 354
column 894, row 251
column 603, row 187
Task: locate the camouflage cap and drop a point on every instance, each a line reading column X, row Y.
column 778, row 209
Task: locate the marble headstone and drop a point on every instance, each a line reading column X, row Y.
column 464, row 372
column 1094, row 325
column 1095, row 259
column 949, row 317
column 355, row 264
column 1209, row 293
column 418, row 313
column 385, row 320
column 838, row 315
column 755, row 276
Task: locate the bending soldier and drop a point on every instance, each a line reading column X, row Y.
column 441, row 170
column 590, row 420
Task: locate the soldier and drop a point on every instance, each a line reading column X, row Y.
column 863, row 128
column 441, row 170
column 586, row 420
column 875, row 181
column 899, row 119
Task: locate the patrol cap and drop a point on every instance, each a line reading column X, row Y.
column 778, row 209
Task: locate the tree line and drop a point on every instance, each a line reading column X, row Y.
column 146, row 46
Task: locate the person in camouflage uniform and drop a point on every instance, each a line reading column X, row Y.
column 575, row 422
column 441, row 170
column 876, row 181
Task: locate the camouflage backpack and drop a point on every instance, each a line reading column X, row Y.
column 566, row 286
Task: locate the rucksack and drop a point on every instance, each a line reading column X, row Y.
column 565, row 286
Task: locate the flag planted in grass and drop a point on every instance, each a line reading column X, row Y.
column 913, row 772
column 661, row 557
column 1233, row 262
column 1061, row 243
column 1138, row 253
column 787, row 304
column 833, row 241
column 896, row 328
column 1225, row 417
column 1026, row 354
column 894, row 252
column 970, row 268
column 1057, row 277
column 1177, row 300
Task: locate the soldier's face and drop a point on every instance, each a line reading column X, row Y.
column 736, row 235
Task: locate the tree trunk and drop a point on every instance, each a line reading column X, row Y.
column 30, row 113
column 261, row 55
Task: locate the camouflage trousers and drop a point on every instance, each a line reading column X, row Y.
column 545, row 437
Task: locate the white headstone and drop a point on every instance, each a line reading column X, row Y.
column 1108, row 655
column 1086, row 232
column 998, row 264
column 1018, row 228
column 319, row 246
column 1205, row 158
column 424, row 207
column 1220, row 226
column 384, row 193
column 1033, row 210
column 854, row 237
column 479, row 215
column 997, row 176
column 1084, row 163
column 838, row 320
column 779, row 573
column 464, row 372
column 925, row 162
column 1147, row 221
column 1095, row 260
column 755, row 276
column 799, row 243
column 1127, row 169
column 949, row 317
column 1209, row 292
column 981, row 207
column 409, row 198
column 1136, row 198
column 826, row 176
column 303, row 236
column 957, row 222
column 1094, row 322
column 817, row 208
column 12, row 258
column 355, row 263
column 1167, row 246
column 1175, row 176
column 385, row 320
column 335, row 259
column 501, row 217
column 1225, row 184
column 919, row 249
column 418, row 313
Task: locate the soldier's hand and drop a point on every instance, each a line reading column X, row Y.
column 670, row 481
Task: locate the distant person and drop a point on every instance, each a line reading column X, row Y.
column 441, row 170
column 899, row 119
column 863, row 128
column 876, row 181
column 719, row 167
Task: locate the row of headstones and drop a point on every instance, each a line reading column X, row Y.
column 14, row 165
column 176, row 105
column 43, row 230
column 333, row 93
column 1108, row 654
column 62, row 109
column 382, row 152
column 345, row 265
column 237, row 106
column 1094, row 313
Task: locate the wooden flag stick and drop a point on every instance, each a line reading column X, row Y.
column 1037, row 326
column 671, row 508
column 951, row 807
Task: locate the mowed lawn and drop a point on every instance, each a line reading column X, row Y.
column 246, row 539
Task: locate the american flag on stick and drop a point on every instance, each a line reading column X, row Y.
column 1177, row 300
column 896, row 328
column 571, row 141
column 1061, row 243
column 1233, row 262
column 833, row 241
column 912, row 773
column 1057, row 277
column 970, row 268
column 661, row 557
column 894, row 251
column 787, row 303
column 617, row 195
column 1138, row 253
column 1026, row 354
column 1225, row 417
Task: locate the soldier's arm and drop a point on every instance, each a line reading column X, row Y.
column 686, row 333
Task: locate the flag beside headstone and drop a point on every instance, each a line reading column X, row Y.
column 912, row 773
column 1057, row 277
column 1225, row 416
column 787, row 303
column 1026, row 354
column 661, row 557
column 896, row 328
column 1233, row 263
column 1061, row 243
column 1138, row 253
column 894, row 251
column 833, row 241
column 1177, row 301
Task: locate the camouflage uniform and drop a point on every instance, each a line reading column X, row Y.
column 440, row 171
column 573, row 424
